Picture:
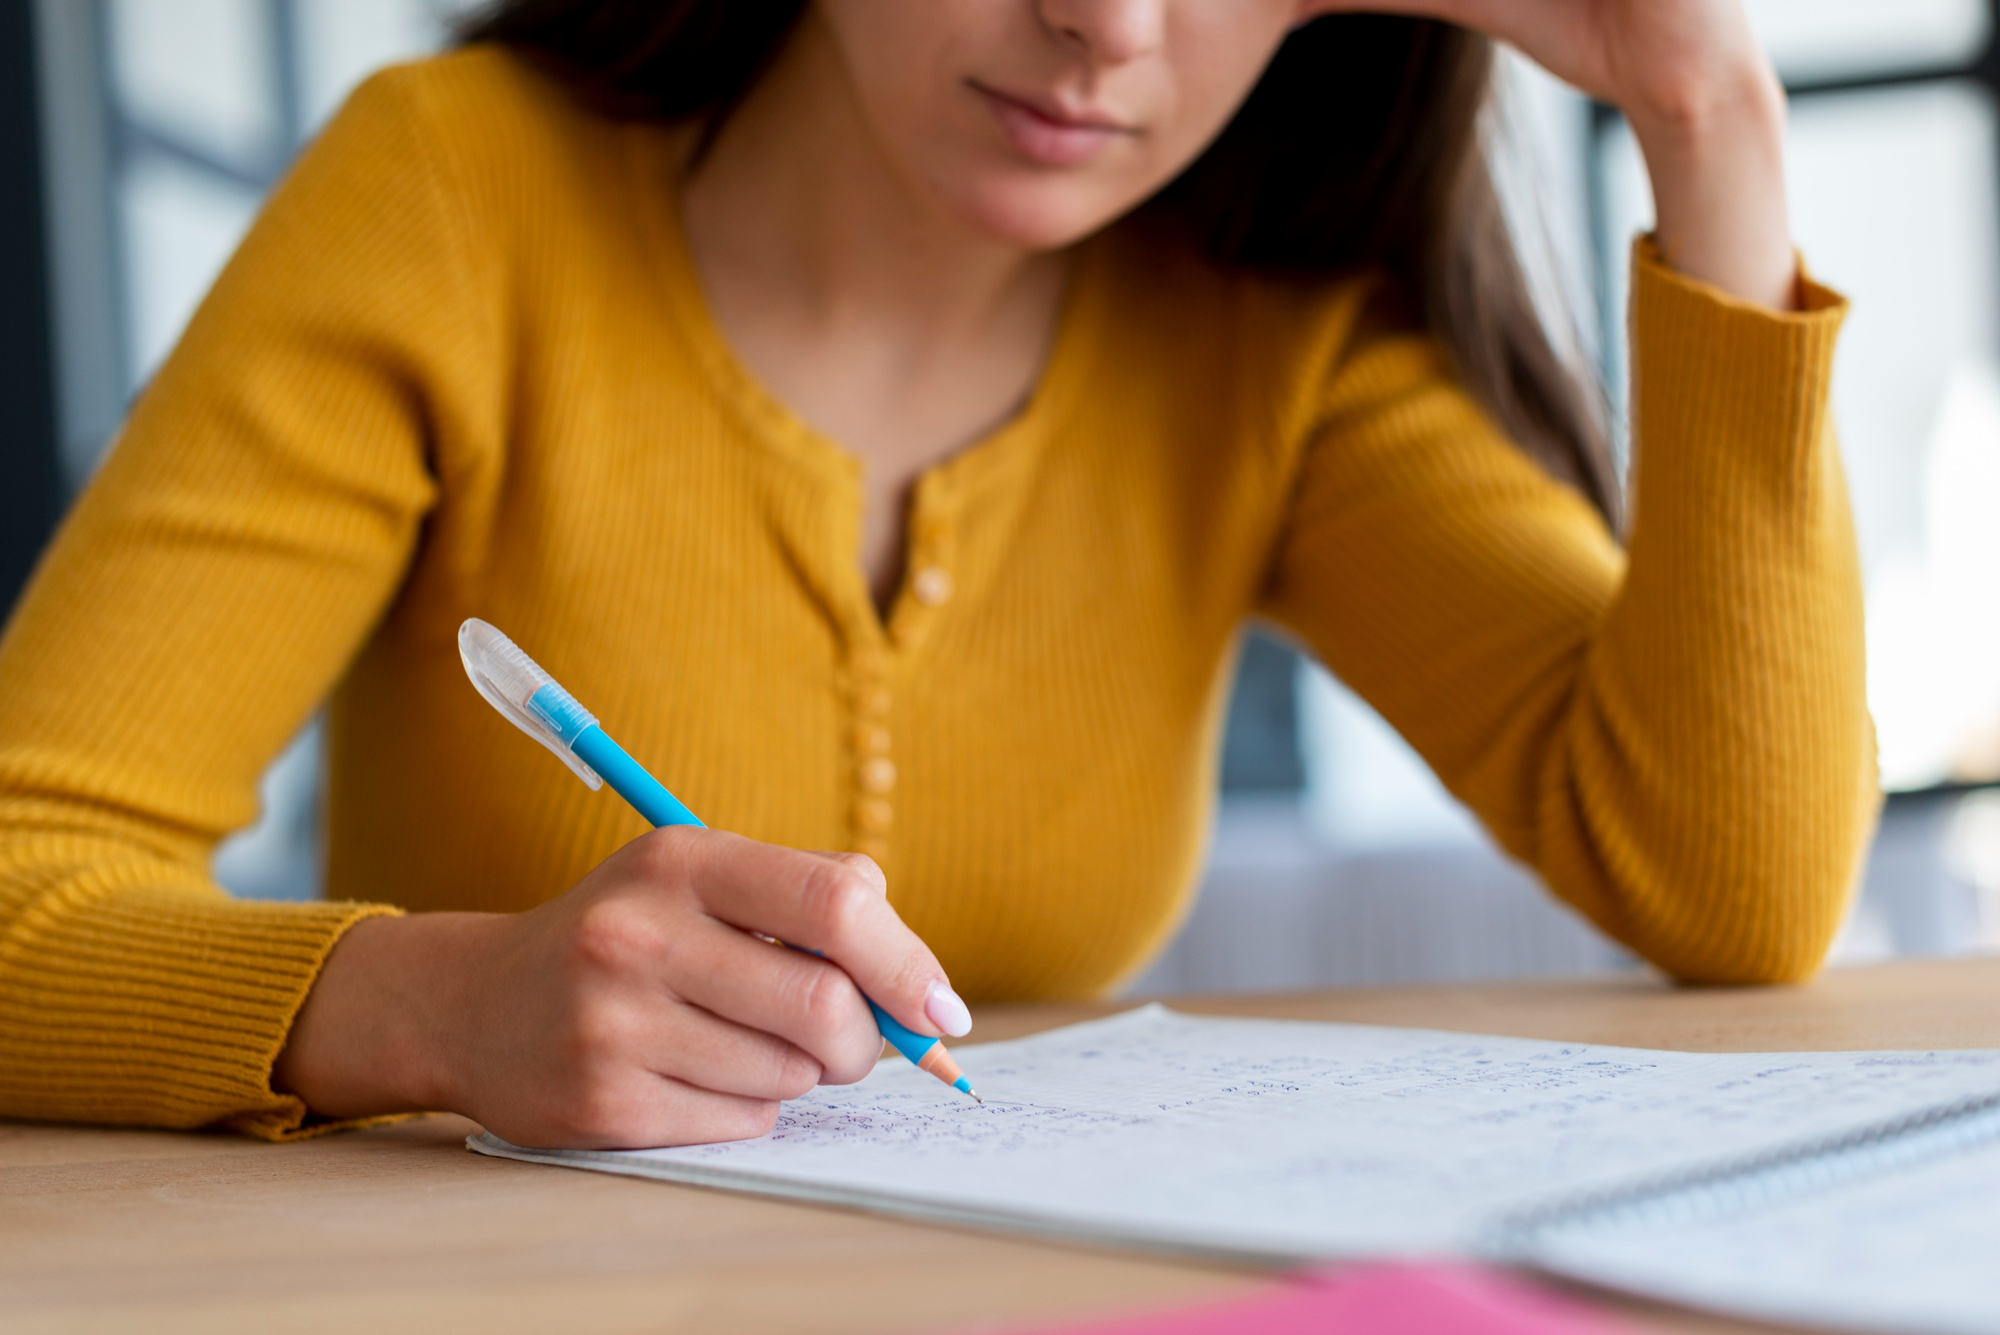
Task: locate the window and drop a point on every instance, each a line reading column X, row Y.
column 1892, row 161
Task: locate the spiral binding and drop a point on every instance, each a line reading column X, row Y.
column 1754, row 1179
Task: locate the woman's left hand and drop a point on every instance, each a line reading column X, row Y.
column 1702, row 99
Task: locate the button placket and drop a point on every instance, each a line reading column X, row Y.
column 929, row 586
column 872, row 813
column 932, row 581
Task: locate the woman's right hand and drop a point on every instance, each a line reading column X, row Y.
column 637, row 1009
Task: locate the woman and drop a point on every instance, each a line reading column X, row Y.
column 884, row 415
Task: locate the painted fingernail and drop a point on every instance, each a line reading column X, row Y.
column 947, row 1012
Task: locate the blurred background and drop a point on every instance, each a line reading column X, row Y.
column 137, row 138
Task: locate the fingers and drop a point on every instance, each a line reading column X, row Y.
column 680, row 1114
column 864, row 866
column 941, row 1005
column 640, row 1110
column 812, row 1005
column 1470, row 13
column 710, row 1052
column 830, row 905
column 638, row 1010
column 1530, row 24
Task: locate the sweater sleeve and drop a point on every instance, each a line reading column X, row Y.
column 252, row 523
column 1675, row 736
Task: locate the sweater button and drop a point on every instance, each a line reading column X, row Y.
column 870, row 846
column 932, row 586
column 877, row 774
column 871, row 739
column 872, row 815
column 873, row 701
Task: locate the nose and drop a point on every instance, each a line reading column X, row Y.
column 1110, row 31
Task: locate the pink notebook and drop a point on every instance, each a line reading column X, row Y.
column 1439, row 1299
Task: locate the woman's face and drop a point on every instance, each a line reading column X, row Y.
column 1039, row 121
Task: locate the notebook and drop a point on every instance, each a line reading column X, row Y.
column 1289, row 1142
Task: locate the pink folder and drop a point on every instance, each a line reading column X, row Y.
column 1412, row 1299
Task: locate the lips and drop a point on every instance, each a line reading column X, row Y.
column 1048, row 136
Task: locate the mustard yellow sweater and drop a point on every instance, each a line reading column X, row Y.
column 462, row 366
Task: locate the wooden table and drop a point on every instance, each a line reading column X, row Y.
column 402, row 1229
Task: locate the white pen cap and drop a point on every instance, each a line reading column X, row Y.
column 528, row 697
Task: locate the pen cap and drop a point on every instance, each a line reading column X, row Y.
column 528, row 697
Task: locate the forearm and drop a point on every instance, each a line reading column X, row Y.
column 134, row 993
column 1675, row 735
column 1723, row 736
column 1717, row 166
column 1710, row 795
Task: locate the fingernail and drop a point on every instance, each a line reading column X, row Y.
column 947, row 1012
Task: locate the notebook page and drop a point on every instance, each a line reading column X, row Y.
column 1284, row 1139
column 1914, row 1249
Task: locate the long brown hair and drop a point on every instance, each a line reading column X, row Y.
column 1359, row 148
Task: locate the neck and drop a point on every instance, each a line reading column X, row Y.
column 853, row 295
column 798, row 197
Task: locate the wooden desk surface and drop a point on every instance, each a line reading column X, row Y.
column 402, row 1229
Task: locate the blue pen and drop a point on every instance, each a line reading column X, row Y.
column 531, row 700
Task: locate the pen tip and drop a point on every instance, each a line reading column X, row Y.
column 975, row 1097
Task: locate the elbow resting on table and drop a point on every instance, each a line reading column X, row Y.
column 1765, row 924
column 1751, row 896
column 1763, row 965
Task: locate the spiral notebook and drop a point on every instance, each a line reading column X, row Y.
column 1683, row 1175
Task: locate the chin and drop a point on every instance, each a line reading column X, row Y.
column 1039, row 213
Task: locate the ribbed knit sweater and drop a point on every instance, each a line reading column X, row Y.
column 462, row 366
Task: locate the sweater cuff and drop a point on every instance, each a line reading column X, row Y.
column 164, row 1008
column 1709, row 367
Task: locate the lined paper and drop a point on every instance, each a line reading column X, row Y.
column 1290, row 1140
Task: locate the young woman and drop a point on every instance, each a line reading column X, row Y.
column 886, row 414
